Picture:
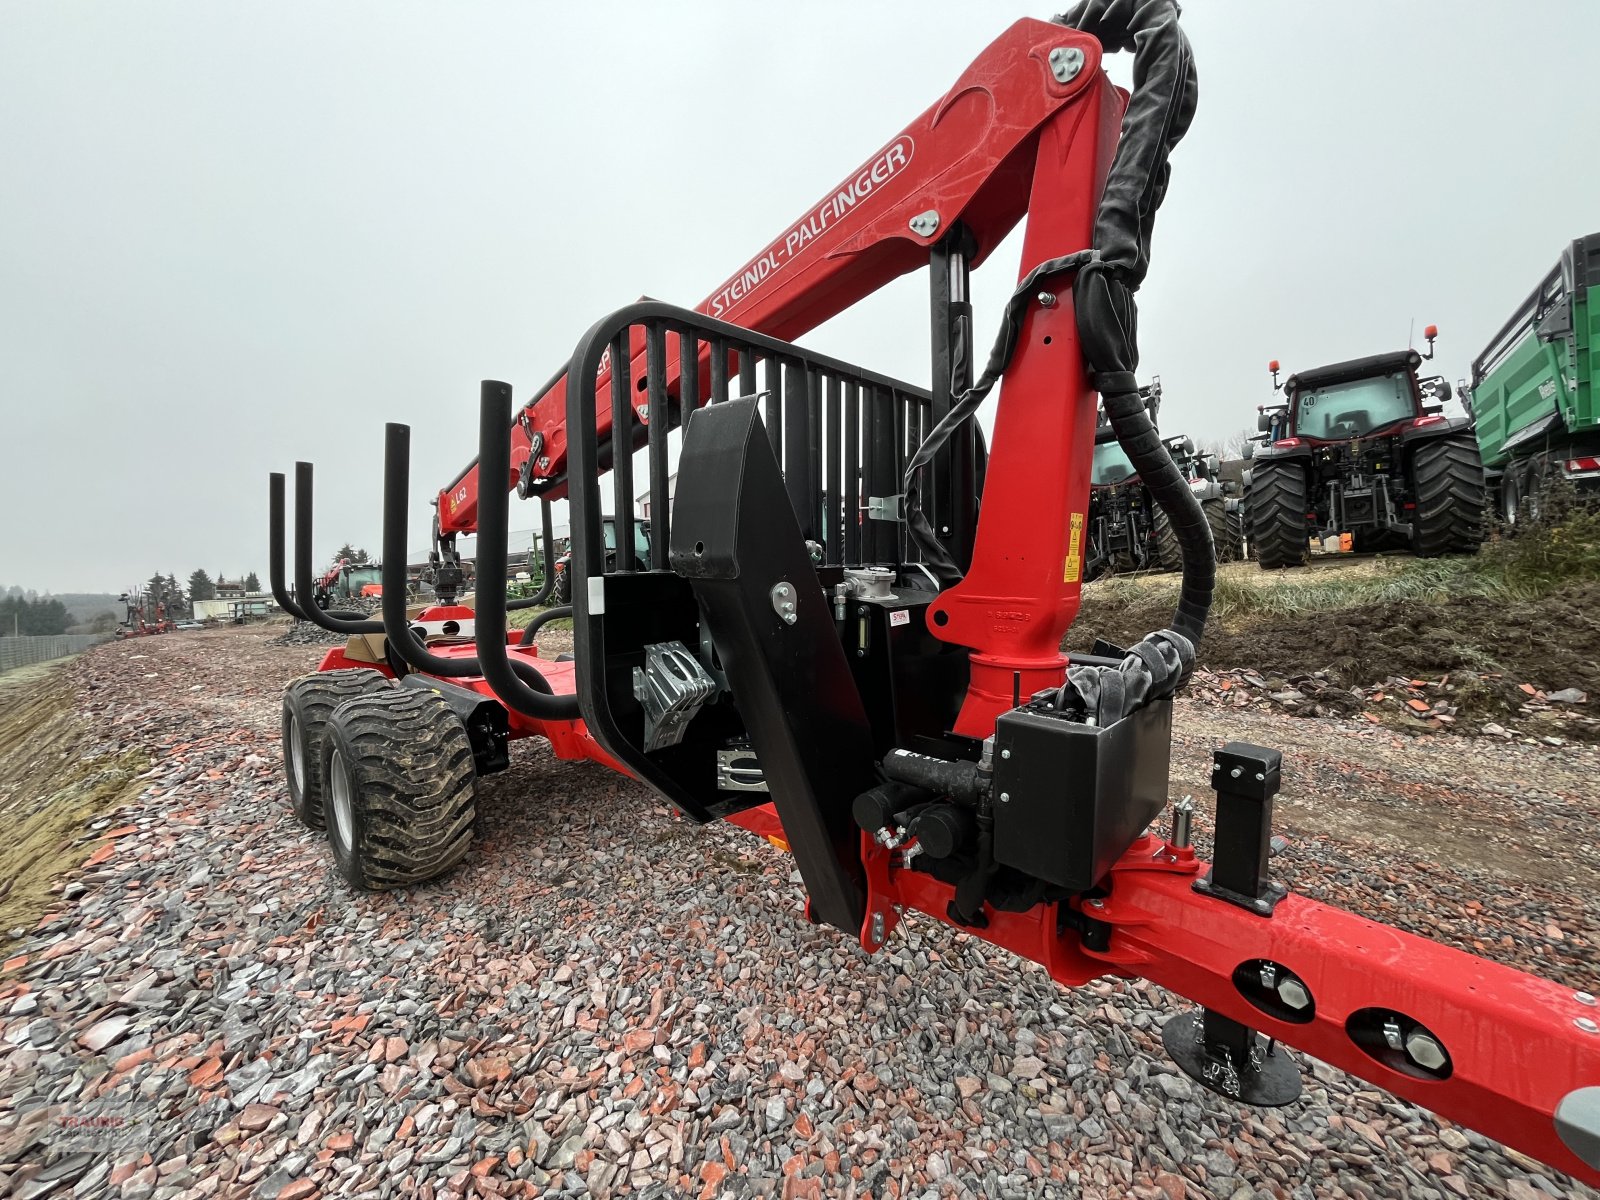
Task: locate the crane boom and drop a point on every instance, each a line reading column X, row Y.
column 967, row 161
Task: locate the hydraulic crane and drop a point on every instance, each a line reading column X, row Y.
column 844, row 632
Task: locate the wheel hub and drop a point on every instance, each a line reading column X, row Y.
column 297, row 760
column 344, row 820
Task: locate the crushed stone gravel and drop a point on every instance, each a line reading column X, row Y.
column 604, row 1000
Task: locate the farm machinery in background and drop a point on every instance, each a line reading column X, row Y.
column 1360, row 456
column 1128, row 530
column 346, row 581
column 143, row 615
column 845, row 633
column 562, row 589
column 1534, row 395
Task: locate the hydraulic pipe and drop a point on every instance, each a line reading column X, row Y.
column 396, row 625
column 332, row 622
column 494, row 504
column 275, row 530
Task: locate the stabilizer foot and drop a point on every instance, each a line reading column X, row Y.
column 1211, row 1051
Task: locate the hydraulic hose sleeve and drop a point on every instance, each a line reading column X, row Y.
column 1159, row 112
column 1142, row 444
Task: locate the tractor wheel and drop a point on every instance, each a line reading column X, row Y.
column 308, row 702
column 1447, row 477
column 1277, row 515
column 401, row 789
column 1223, row 538
column 561, row 593
column 1236, row 531
column 1168, row 555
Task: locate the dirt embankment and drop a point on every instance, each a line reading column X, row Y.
column 57, row 772
column 1550, row 643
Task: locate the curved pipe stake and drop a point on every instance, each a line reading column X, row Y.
column 402, row 639
column 276, row 508
column 332, row 622
column 494, row 507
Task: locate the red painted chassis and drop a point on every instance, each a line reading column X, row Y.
column 1009, row 140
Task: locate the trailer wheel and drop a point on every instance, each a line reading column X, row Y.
column 1277, row 515
column 1447, row 476
column 1510, row 500
column 402, row 791
column 1223, row 536
column 308, row 702
column 1168, row 554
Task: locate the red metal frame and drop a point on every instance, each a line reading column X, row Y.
column 970, row 157
column 1009, row 139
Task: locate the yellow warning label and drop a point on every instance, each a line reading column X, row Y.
column 1074, row 564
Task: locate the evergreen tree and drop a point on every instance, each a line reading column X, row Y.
column 32, row 617
column 252, row 583
column 201, row 587
column 155, row 594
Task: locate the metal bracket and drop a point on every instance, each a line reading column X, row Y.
column 738, row 770
column 785, row 601
column 886, row 508
column 925, row 224
column 525, row 482
column 1065, row 63
column 1246, row 778
column 672, row 685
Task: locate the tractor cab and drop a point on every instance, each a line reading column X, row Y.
column 1337, row 412
column 1111, row 465
column 562, row 588
column 1377, row 396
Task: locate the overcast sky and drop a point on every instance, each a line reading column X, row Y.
column 234, row 235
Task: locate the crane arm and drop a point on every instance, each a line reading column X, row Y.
column 967, row 162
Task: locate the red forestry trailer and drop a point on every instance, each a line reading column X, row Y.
column 844, row 632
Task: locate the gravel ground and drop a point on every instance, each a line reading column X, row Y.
column 604, row 1000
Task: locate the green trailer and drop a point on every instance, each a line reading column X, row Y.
column 1534, row 400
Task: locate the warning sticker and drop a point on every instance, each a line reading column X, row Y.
column 1073, row 568
column 900, row 616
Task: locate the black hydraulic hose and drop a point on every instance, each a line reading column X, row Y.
column 333, row 622
column 531, row 629
column 396, row 625
column 494, row 506
column 1159, row 112
column 1167, row 486
column 548, row 579
column 275, row 531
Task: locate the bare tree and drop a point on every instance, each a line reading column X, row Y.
column 1230, row 446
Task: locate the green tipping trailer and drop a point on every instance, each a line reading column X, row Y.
column 1534, row 396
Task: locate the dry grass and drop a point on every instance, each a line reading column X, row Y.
column 52, row 781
